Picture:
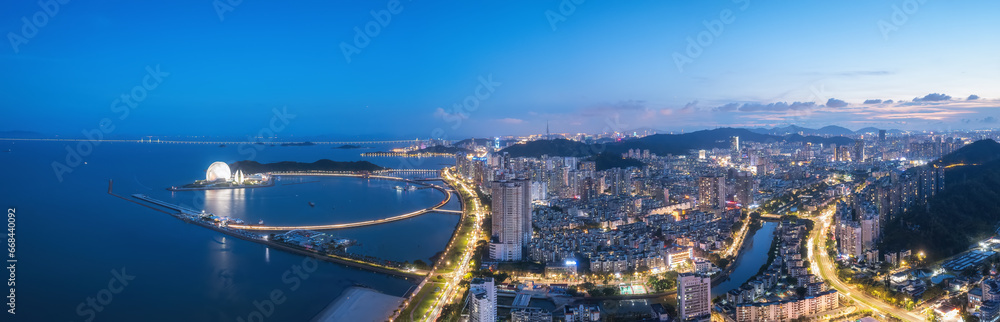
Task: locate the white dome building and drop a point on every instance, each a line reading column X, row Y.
column 218, row 170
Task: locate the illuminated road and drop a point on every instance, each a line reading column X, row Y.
column 360, row 223
column 451, row 289
column 825, row 267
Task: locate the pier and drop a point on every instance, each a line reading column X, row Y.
column 178, row 208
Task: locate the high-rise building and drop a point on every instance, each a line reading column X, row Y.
column 482, row 300
column 858, row 155
column 881, row 136
column 511, row 211
column 694, row 296
column 734, row 148
column 745, row 188
column 711, row 193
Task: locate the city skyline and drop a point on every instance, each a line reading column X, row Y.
column 542, row 161
column 587, row 67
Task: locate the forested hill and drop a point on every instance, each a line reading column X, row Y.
column 966, row 212
column 662, row 144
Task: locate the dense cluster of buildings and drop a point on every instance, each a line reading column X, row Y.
column 786, row 289
column 885, row 195
column 577, row 216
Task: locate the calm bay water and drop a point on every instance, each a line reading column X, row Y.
column 72, row 237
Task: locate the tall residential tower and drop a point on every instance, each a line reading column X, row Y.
column 511, row 211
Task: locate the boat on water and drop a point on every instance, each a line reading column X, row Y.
column 407, row 188
column 311, row 204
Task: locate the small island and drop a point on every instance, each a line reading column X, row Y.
column 220, row 176
column 306, row 143
column 252, row 174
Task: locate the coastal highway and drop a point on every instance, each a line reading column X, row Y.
column 822, row 263
column 451, row 289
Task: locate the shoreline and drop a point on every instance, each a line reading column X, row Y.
column 358, row 303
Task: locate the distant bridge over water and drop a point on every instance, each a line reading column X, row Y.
column 146, row 140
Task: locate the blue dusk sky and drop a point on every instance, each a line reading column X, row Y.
column 461, row 68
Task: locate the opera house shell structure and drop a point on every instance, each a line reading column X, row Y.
column 218, row 170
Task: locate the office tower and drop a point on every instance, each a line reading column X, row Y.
column 734, row 148
column 511, row 210
column 745, row 188
column 694, row 296
column 482, row 300
column 858, row 155
column 881, row 136
column 711, row 193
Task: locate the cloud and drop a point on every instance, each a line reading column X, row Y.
column 888, row 101
column 689, row 107
column 666, row 111
column 630, row 105
column 510, row 121
column 833, row 102
column 728, row 107
column 989, row 119
column 801, row 106
column 772, row 107
column 932, row 97
column 444, row 115
column 873, row 101
column 972, row 97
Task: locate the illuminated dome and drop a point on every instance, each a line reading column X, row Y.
column 218, row 170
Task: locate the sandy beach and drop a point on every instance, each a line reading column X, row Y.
column 359, row 304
